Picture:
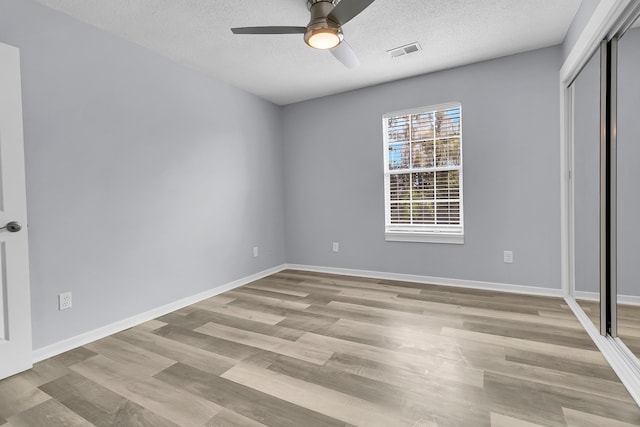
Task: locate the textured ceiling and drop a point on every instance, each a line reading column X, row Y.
column 282, row 69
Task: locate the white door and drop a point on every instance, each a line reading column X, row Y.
column 15, row 309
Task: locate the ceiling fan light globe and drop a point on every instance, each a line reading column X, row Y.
column 324, row 38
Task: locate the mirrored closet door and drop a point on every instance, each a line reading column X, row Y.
column 586, row 182
column 628, row 188
column 601, row 199
column 606, row 187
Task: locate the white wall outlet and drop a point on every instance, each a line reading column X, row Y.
column 64, row 301
column 256, row 251
column 336, row 247
column 508, row 257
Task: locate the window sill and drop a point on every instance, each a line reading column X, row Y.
column 456, row 239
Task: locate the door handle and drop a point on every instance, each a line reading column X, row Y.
column 12, row 227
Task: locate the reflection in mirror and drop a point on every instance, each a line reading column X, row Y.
column 586, row 188
column 628, row 194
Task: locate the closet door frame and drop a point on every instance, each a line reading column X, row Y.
column 608, row 186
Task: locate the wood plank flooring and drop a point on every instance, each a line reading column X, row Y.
column 307, row 349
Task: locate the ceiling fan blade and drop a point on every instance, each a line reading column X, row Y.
column 346, row 55
column 346, row 10
column 269, row 30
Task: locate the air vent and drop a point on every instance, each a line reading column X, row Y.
column 405, row 50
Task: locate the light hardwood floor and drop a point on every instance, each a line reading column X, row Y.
column 307, row 349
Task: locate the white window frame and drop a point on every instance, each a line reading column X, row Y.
column 416, row 233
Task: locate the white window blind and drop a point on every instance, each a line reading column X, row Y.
column 423, row 174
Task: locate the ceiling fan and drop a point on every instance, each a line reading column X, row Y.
column 324, row 30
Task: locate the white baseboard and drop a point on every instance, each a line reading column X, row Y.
column 104, row 331
column 460, row 283
column 621, row 359
column 595, row 296
column 587, row 296
column 624, row 363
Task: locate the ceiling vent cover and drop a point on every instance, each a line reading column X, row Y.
column 405, row 50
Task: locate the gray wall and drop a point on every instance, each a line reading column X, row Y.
column 334, row 174
column 146, row 182
column 587, row 7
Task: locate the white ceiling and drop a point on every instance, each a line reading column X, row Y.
column 282, row 69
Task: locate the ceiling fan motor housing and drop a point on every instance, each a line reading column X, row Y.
column 320, row 10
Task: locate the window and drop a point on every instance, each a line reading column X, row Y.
column 423, row 174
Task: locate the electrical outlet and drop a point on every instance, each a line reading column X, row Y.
column 64, row 301
column 508, row 257
column 255, row 251
column 336, row 247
